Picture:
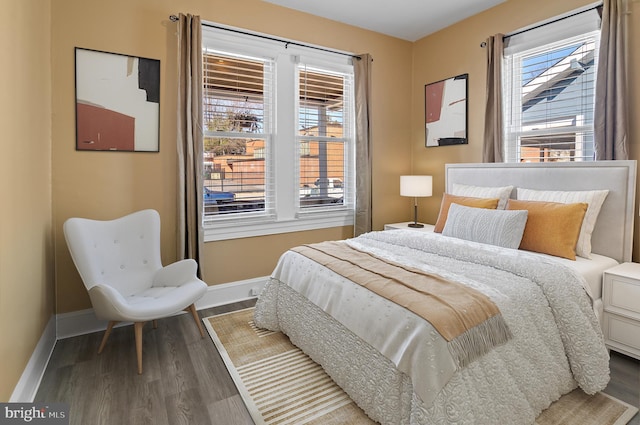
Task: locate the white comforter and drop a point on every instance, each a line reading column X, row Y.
column 556, row 337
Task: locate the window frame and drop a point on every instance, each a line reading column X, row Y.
column 554, row 36
column 348, row 137
column 282, row 211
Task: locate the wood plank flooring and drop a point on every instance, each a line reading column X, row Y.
column 184, row 380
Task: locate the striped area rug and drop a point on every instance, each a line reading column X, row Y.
column 281, row 385
column 277, row 381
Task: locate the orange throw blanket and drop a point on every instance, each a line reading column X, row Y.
column 467, row 319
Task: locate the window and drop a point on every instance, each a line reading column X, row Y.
column 236, row 105
column 278, row 137
column 323, row 137
column 549, row 88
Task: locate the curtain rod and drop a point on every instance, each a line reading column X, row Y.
column 287, row 43
column 551, row 22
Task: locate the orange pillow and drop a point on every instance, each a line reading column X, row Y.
column 467, row 201
column 552, row 228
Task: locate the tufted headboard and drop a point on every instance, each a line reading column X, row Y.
column 613, row 233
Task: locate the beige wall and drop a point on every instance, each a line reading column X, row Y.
column 456, row 50
column 26, row 247
column 105, row 185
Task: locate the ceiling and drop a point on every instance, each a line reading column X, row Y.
column 406, row 19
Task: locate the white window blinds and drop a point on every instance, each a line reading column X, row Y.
column 549, row 87
column 324, row 129
column 237, row 116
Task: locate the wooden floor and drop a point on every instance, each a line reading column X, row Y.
column 184, row 380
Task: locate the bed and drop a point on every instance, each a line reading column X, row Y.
column 541, row 339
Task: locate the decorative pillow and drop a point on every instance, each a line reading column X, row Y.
column 595, row 199
column 493, row 227
column 447, row 199
column 503, row 193
column 552, row 227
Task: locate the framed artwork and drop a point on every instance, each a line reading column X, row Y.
column 446, row 111
column 117, row 102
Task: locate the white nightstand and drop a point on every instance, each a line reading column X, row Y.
column 405, row 225
column 621, row 297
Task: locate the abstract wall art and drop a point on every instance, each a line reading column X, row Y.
column 446, row 112
column 117, row 102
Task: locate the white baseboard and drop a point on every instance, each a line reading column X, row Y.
column 27, row 387
column 228, row 293
column 79, row 322
column 84, row 321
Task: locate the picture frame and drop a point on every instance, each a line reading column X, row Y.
column 117, row 102
column 446, row 111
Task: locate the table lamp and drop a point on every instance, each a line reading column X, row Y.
column 416, row 186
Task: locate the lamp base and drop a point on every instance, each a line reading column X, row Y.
column 418, row 225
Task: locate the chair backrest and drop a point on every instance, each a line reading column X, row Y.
column 123, row 253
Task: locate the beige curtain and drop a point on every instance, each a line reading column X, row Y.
column 190, row 138
column 610, row 116
column 362, row 77
column 493, row 147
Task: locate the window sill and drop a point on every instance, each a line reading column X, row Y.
column 226, row 230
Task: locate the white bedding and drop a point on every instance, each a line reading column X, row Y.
column 591, row 270
column 557, row 338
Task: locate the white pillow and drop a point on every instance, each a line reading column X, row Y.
column 494, row 227
column 503, row 193
column 595, row 199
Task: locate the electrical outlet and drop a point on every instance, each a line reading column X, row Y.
column 254, row 292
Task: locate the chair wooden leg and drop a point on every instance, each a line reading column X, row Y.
column 194, row 313
column 106, row 335
column 138, row 332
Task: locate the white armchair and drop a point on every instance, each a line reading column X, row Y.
column 119, row 263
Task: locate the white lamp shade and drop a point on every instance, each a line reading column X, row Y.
column 416, row 186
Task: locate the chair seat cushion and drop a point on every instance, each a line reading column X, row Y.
column 161, row 301
column 152, row 303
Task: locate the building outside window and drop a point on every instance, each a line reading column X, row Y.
column 278, row 137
